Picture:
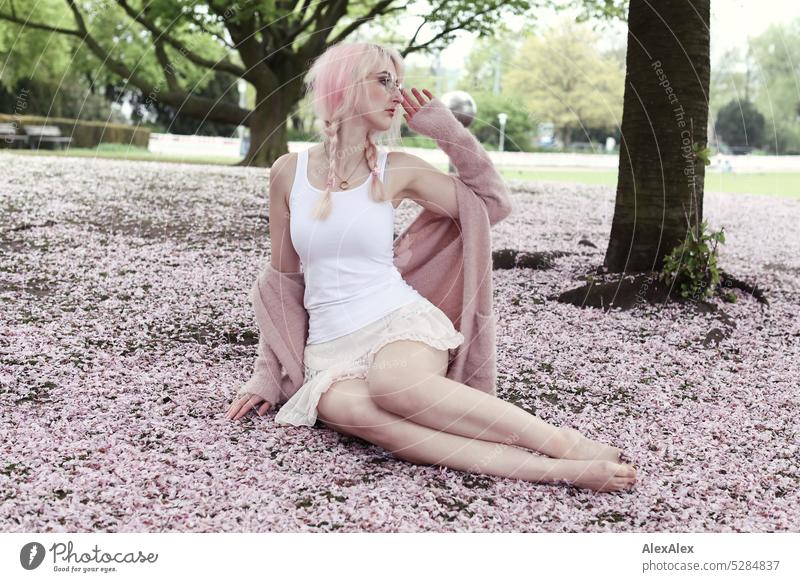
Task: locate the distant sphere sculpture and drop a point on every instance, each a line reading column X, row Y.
column 462, row 105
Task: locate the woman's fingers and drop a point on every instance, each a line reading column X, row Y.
column 251, row 404
column 409, row 105
column 264, row 407
column 234, row 408
column 242, row 406
column 420, row 101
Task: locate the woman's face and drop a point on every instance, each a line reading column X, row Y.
column 382, row 97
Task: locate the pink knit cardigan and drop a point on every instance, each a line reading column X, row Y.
column 447, row 261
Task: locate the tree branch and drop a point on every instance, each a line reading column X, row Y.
column 28, row 24
column 304, row 8
column 186, row 103
column 446, row 31
column 305, row 24
column 166, row 66
column 112, row 64
column 325, row 22
column 416, row 32
column 191, row 17
column 423, row 23
column 206, row 108
column 221, row 64
column 376, row 11
column 250, row 50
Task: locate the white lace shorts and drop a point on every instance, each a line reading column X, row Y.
column 351, row 355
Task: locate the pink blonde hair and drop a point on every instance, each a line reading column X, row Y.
column 333, row 81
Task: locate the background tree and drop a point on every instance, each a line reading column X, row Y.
column 739, row 124
column 664, row 128
column 485, row 58
column 50, row 71
column 520, row 127
column 560, row 77
column 776, row 53
column 74, row 100
column 222, row 86
column 762, row 73
column 169, row 50
column 733, row 77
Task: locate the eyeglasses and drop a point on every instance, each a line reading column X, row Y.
column 389, row 82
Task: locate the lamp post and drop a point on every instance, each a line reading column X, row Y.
column 502, row 117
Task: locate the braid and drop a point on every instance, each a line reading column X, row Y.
column 323, row 208
column 377, row 191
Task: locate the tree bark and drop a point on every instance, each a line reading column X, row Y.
column 268, row 123
column 267, row 136
column 665, row 112
column 565, row 137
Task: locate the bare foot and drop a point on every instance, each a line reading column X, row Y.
column 601, row 475
column 586, row 449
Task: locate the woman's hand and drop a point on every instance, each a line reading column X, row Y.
column 410, row 106
column 242, row 405
column 430, row 117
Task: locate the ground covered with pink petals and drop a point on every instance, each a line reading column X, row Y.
column 126, row 328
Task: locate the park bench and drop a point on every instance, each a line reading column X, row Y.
column 9, row 135
column 37, row 134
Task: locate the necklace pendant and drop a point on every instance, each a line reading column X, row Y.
column 343, row 185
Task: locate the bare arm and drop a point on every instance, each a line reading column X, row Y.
column 425, row 184
column 284, row 259
column 473, row 163
column 284, row 256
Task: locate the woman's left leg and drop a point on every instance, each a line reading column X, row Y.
column 407, row 378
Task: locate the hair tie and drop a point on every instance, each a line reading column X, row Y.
column 375, row 171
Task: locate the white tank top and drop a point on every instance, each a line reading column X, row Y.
column 347, row 258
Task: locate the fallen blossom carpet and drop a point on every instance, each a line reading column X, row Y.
column 126, row 328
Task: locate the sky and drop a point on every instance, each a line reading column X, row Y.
column 731, row 22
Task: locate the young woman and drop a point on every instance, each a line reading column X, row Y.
column 377, row 351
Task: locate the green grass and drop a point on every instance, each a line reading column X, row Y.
column 781, row 184
column 784, row 184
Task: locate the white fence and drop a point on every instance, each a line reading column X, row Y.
column 194, row 145
column 199, row 145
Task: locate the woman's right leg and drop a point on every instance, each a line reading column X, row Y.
column 348, row 408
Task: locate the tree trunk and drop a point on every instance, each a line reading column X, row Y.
column 565, row 136
column 665, row 112
column 297, row 122
column 268, row 136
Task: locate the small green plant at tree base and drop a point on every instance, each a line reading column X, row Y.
column 693, row 264
column 703, row 154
